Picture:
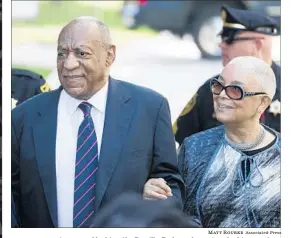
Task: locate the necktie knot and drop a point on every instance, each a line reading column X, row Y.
column 85, row 107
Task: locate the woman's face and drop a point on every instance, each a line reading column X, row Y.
column 229, row 111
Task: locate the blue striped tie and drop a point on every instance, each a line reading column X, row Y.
column 86, row 165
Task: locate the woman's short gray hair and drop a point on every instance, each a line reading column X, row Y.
column 259, row 70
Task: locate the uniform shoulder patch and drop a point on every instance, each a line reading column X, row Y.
column 45, row 87
column 185, row 111
column 175, row 128
column 189, row 106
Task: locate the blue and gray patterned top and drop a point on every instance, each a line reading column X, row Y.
column 219, row 190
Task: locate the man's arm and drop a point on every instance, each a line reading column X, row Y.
column 165, row 158
column 14, row 223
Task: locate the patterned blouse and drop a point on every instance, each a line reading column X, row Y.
column 228, row 188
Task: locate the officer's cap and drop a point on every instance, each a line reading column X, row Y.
column 238, row 20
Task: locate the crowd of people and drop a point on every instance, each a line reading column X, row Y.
column 100, row 152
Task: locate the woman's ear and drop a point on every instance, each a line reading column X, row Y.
column 265, row 103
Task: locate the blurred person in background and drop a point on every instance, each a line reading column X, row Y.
column 26, row 84
column 132, row 211
column 232, row 172
column 244, row 33
column 77, row 148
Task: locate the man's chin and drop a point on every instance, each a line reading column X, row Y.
column 77, row 93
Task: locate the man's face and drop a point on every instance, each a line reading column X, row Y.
column 229, row 111
column 238, row 48
column 81, row 60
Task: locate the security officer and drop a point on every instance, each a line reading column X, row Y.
column 26, row 84
column 244, row 33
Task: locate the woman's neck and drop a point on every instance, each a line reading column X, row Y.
column 244, row 132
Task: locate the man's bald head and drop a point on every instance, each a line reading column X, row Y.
column 85, row 55
column 89, row 25
column 256, row 45
column 265, row 44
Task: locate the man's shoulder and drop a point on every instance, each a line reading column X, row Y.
column 22, row 76
column 34, row 102
column 277, row 64
column 140, row 92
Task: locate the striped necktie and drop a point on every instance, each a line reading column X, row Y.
column 86, row 165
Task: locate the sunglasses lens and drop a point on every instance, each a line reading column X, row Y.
column 227, row 39
column 234, row 92
column 216, row 87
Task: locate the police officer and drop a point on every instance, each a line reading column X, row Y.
column 26, row 84
column 244, row 33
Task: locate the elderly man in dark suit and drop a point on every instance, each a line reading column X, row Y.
column 77, row 148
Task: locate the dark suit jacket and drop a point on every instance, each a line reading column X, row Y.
column 14, row 222
column 137, row 144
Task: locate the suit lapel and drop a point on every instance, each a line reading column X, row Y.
column 119, row 111
column 45, row 143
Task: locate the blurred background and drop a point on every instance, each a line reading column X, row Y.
column 169, row 46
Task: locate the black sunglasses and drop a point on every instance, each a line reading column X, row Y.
column 235, row 92
column 229, row 40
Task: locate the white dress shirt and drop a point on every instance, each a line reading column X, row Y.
column 68, row 121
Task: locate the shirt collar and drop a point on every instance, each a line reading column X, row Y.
column 98, row 100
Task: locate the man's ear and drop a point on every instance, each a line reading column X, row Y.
column 111, row 55
column 259, row 44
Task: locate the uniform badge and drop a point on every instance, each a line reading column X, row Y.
column 275, row 107
column 223, row 15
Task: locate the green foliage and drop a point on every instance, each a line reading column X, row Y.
column 53, row 13
column 42, row 71
column 58, row 13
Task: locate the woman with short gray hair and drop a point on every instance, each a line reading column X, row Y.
column 232, row 172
